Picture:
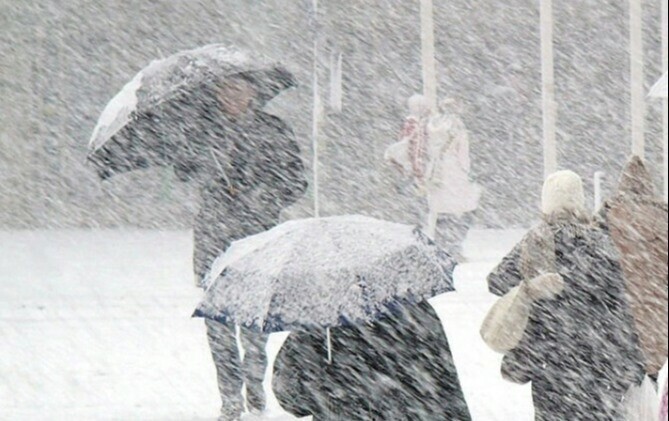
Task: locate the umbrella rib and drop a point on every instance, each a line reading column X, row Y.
column 219, row 166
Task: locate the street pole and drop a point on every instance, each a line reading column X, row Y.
column 548, row 88
column 665, row 129
column 429, row 80
column 599, row 175
column 427, row 52
column 316, row 105
column 336, row 89
column 637, row 92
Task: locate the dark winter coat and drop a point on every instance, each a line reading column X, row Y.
column 636, row 219
column 533, row 256
column 399, row 368
column 246, row 179
column 580, row 349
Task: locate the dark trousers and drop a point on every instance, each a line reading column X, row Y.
column 451, row 233
column 233, row 372
column 450, row 230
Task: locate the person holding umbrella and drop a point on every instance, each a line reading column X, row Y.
column 263, row 175
column 200, row 111
column 365, row 344
column 399, row 368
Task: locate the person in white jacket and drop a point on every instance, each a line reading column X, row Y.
column 434, row 149
column 450, row 193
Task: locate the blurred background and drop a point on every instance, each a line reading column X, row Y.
column 62, row 61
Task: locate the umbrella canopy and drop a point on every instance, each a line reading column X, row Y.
column 150, row 117
column 324, row 272
column 659, row 90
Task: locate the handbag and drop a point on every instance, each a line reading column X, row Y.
column 505, row 323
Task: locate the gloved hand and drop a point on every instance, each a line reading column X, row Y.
column 544, row 287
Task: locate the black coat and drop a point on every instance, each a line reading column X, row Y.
column 579, row 350
column 399, row 368
column 246, row 179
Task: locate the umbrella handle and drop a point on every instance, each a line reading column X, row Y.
column 329, row 344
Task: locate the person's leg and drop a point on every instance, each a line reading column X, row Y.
column 451, row 233
column 463, row 225
column 421, row 215
column 444, row 235
column 223, row 344
column 255, row 364
column 431, row 224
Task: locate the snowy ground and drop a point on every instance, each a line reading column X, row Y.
column 95, row 325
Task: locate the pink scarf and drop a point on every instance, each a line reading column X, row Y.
column 416, row 131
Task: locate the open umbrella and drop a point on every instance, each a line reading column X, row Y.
column 324, row 272
column 148, row 121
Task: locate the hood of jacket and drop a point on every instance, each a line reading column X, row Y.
column 562, row 196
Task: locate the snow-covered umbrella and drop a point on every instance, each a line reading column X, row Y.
column 146, row 122
column 324, row 272
column 659, row 90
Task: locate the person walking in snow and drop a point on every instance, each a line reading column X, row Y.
column 636, row 219
column 451, row 196
column 409, row 154
column 434, row 150
column 579, row 350
column 199, row 111
column 398, row 368
column 254, row 172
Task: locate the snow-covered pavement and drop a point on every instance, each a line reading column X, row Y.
column 96, row 325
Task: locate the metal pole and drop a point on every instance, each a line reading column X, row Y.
column 636, row 79
column 336, row 93
column 315, row 112
column 665, row 118
column 427, row 52
column 548, row 88
column 599, row 175
column 314, row 132
column 429, row 78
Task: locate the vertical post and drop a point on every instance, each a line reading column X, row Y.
column 665, row 123
column 599, row 175
column 548, row 88
column 314, row 131
column 315, row 111
column 429, row 79
column 427, row 52
column 636, row 79
column 336, row 93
